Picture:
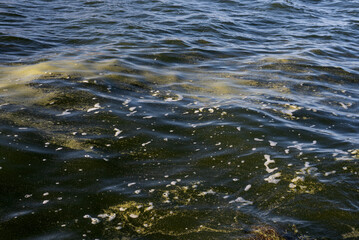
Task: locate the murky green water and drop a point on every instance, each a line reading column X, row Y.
column 179, row 120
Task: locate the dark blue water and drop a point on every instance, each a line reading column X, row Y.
column 179, row 120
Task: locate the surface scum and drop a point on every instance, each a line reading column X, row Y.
column 184, row 153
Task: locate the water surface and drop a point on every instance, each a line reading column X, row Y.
column 213, row 119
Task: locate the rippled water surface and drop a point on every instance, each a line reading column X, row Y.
column 208, row 119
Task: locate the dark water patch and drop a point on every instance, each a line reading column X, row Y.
column 11, row 16
column 14, row 45
column 96, row 3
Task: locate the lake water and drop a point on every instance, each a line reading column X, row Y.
column 208, row 119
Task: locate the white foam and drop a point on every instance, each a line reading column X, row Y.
column 179, row 98
column 273, row 178
column 242, row 201
column 104, row 215
column 111, row 217
column 247, row 187
column 117, row 131
column 269, row 170
column 64, row 113
column 329, row 173
column 343, row 105
column 146, row 143
column 149, row 208
column 96, row 107
column 95, row 221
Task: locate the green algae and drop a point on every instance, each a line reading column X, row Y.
column 265, row 232
column 148, row 219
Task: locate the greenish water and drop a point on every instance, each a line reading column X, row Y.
column 179, row 120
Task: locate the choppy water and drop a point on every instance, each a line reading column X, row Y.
column 209, row 119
